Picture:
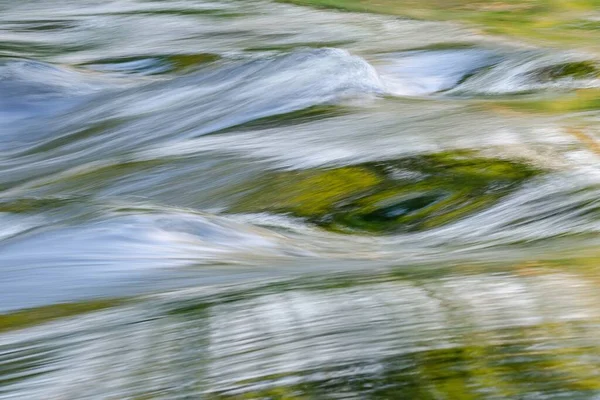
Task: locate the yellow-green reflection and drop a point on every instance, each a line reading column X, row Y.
column 471, row 331
column 558, row 22
column 35, row 316
column 414, row 193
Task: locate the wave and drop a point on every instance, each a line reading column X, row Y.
column 119, row 121
column 32, row 89
column 111, row 250
column 134, row 248
column 483, row 72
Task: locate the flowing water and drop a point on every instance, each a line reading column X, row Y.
column 133, row 138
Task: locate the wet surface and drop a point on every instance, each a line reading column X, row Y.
column 179, row 153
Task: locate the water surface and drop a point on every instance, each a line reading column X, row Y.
column 132, row 132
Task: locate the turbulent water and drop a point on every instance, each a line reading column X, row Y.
column 127, row 129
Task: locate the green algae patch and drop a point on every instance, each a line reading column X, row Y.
column 409, row 194
column 35, row 316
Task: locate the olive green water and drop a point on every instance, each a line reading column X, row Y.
column 260, row 200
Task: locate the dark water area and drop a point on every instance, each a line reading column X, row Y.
column 255, row 200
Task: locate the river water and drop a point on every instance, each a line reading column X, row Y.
column 127, row 128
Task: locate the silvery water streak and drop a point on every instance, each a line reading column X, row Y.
column 128, row 129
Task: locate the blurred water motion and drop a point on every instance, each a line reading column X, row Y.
column 255, row 200
column 526, row 332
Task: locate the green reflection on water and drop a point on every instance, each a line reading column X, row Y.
column 558, row 22
column 444, row 352
column 409, row 194
column 475, row 371
column 39, row 315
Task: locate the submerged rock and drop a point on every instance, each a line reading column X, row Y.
column 408, row 194
column 572, row 70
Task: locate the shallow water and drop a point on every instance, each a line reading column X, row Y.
column 131, row 130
